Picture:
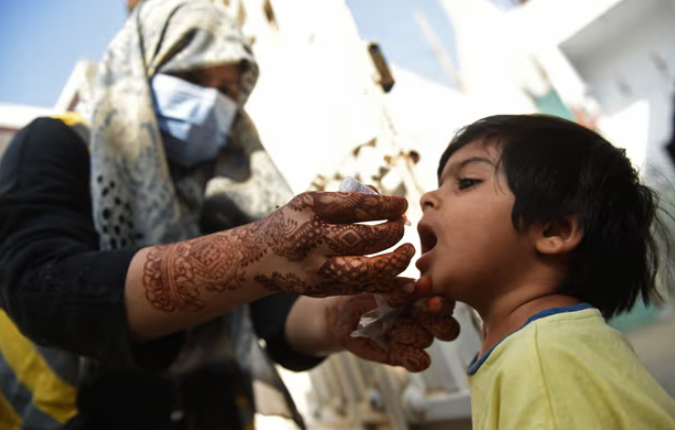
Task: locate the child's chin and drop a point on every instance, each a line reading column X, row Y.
column 449, row 289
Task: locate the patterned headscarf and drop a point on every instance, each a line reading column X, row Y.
column 140, row 199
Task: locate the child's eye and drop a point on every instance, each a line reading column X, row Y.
column 464, row 183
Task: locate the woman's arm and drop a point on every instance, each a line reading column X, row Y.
column 55, row 285
column 173, row 287
column 305, row 247
column 307, row 328
column 61, row 291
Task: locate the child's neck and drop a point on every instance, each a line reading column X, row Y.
column 510, row 313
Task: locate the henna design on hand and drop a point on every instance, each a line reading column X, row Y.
column 406, row 331
column 302, row 201
column 294, row 240
column 354, row 207
column 440, row 324
column 404, row 342
column 341, row 320
column 344, row 276
column 413, row 359
column 174, row 275
column 290, row 282
column 305, row 229
column 163, row 292
column 291, row 241
column 354, row 239
column 371, row 274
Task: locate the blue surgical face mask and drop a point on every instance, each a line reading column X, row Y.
column 195, row 120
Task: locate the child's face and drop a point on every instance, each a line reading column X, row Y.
column 470, row 248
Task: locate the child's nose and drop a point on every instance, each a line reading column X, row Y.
column 429, row 201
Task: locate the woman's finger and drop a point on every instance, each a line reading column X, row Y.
column 368, row 349
column 413, row 359
column 400, row 292
column 344, row 208
column 422, row 288
column 435, row 304
column 441, row 325
column 369, row 274
column 356, row 239
column 440, row 305
column 406, row 331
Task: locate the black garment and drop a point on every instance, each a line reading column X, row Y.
column 670, row 145
column 62, row 292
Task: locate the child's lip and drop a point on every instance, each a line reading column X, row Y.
column 424, row 262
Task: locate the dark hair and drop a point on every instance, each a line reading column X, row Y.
column 556, row 168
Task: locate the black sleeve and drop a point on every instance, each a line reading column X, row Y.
column 269, row 321
column 55, row 284
column 670, row 145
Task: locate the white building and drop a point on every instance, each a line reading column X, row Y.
column 13, row 117
column 611, row 60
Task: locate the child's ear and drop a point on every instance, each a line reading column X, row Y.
column 557, row 236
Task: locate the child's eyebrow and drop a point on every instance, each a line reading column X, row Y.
column 459, row 165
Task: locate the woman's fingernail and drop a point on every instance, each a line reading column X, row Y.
column 422, row 289
column 434, row 304
column 406, row 221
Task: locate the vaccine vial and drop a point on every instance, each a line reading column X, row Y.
column 351, row 185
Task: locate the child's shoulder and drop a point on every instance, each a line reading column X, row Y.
column 557, row 338
column 575, row 364
column 542, row 334
column 558, row 333
column 568, row 338
column 573, row 326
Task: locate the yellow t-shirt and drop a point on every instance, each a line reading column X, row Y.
column 566, row 369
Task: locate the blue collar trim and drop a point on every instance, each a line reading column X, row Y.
column 477, row 362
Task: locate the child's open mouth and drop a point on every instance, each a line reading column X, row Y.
column 428, row 241
column 427, row 238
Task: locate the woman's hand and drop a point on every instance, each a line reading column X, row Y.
column 403, row 343
column 309, row 246
column 312, row 247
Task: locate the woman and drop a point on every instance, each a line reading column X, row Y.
column 164, row 316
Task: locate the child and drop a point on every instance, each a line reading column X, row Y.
column 543, row 227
